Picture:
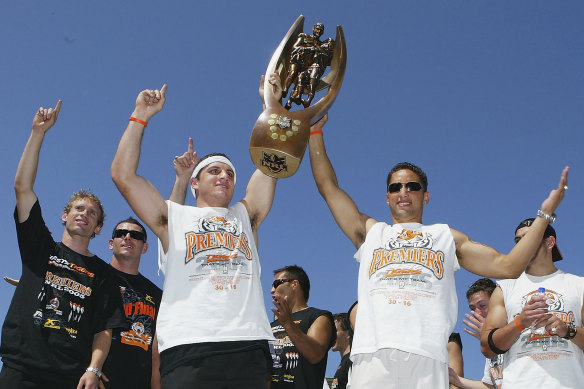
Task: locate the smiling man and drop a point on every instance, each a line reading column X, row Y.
column 57, row 331
column 133, row 361
column 212, row 328
column 407, row 297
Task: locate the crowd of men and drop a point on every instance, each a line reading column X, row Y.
column 77, row 322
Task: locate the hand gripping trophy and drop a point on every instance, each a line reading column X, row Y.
column 279, row 137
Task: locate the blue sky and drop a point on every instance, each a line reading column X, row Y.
column 487, row 97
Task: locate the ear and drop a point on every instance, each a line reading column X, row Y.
column 387, row 198
column 64, row 216
column 111, row 244
column 194, row 183
column 426, row 197
column 145, row 248
column 550, row 242
column 97, row 230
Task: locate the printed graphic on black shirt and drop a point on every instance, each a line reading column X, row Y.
column 62, row 296
column 140, row 310
column 285, row 356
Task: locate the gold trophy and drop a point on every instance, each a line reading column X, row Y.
column 280, row 136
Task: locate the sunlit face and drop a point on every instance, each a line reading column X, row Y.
column 284, row 287
column 81, row 220
column 215, row 184
column 479, row 302
column 126, row 247
column 406, row 206
column 343, row 338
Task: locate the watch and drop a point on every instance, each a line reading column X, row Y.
column 571, row 331
column 550, row 218
column 95, row 371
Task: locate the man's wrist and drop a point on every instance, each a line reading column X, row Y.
column 571, row 331
column 95, row 371
column 546, row 216
column 140, row 114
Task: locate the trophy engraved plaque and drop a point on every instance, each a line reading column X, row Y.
column 280, row 135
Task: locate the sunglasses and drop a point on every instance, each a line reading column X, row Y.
column 411, row 186
column 138, row 235
column 280, row 281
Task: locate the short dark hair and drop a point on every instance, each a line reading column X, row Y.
column 295, row 272
column 481, row 285
column 131, row 220
column 408, row 166
column 343, row 320
column 209, row 156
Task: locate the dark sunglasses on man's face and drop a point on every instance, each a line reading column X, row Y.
column 410, row 186
column 138, row 235
column 280, row 281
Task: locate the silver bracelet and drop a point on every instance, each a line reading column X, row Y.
column 95, row 371
column 550, row 218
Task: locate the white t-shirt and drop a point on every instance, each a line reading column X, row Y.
column 493, row 374
column 544, row 361
column 212, row 290
column 407, row 292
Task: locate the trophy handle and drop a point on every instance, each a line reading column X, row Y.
column 280, row 62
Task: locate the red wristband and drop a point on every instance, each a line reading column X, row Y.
column 142, row 122
column 315, row 132
column 517, row 324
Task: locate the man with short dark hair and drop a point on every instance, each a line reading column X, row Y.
column 536, row 321
column 57, row 331
column 343, row 346
column 406, row 289
column 478, row 296
column 133, row 361
column 213, row 330
column 303, row 334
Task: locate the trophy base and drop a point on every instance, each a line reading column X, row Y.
column 274, row 163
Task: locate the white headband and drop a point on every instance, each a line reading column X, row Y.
column 207, row 162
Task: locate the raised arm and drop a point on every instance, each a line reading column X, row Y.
column 352, row 222
column 260, row 191
column 488, row 262
column 141, row 195
column 258, row 200
column 184, row 166
column 26, row 172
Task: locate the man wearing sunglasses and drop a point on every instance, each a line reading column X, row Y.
column 303, row 334
column 406, row 289
column 58, row 328
column 541, row 335
column 212, row 329
column 133, row 361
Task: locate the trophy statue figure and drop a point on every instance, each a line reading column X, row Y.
column 280, row 135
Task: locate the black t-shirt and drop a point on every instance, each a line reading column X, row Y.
column 129, row 362
column 342, row 374
column 62, row 300
column 455, row 337
column 290, row 369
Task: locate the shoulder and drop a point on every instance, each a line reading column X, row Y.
column 315, row 313
column 239, row 207
column 151, row 285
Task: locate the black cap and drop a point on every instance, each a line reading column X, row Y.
column 549, row 231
